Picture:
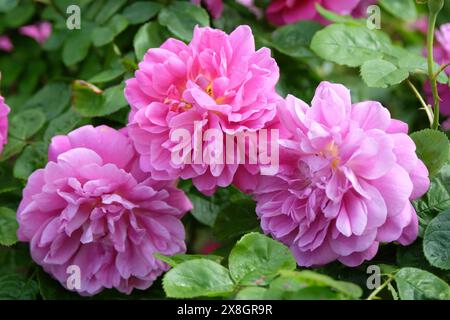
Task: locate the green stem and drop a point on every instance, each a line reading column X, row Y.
column 426, row 107
column 430, row 39
column 375, row 292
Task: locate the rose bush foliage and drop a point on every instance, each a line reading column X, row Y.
column 87, row 105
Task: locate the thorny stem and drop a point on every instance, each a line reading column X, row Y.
column 375, row 292
column 434, row 10
column 426, row 107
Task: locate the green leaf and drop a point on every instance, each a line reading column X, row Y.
column 150, row 35
column 17, row 287
column 432, row 147
column 437, row 240
column 33, row 157
column 8, row 227
column 90, row 102
column 257, row 259
column 77, row 44
column 107, row 75
column 198, row 278
column 19, row 15
column 62, row 124
column 349, row 45
column 7, row 5
column 175, row 260
column 51, row 99
column 403, row 9
column 236, row 219
column 108, row 10
column 251, row 293
column 104, row 35
column 294, row 39
column 311, row 278
column 436, row 200
column 380, row 73
column 181, row 18
column 204, row 210
column 26, row 124
column 416, row 284
column 14, row 147
column 141, row 11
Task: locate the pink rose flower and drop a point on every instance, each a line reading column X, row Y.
column 4, row 110
column 215, row 7
column 40, row 31
column 345, row 185
column 218, row 81
column 93, row 208
column 441, row 52
column 6, row 44
column 281, row 12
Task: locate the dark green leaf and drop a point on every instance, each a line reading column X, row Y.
column 27, row 123
column 150, row 35
column 432, row 147
column 8, row 227
column 141, row 11
column 17, row 287
column 436, row 242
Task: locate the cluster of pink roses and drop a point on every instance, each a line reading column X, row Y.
column 281, row 12
column 39, row 31
column 107, row 199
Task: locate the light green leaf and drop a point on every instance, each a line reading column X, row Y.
column 251, row 293
column 416, row 284
column 7, row 5
column 108, row 10
column 436, row 242
column 403, row 9
column 27, row 123
column 380, row 73
column 12, row 148
column 175, row 260
column 8, row 227
column 294, row 39
column 181, row 18
column 334, row 17
column 311, row 278
column 198, row 278
column 104, row 35
column 257, row 259
column 349, row 45
column 141, row 11
column 432, row 147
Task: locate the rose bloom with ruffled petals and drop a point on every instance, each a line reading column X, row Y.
column 281, row 12
column 218, row 80
column 92, row 207
column 4, row 111
column 347, row 176
column 441, row 52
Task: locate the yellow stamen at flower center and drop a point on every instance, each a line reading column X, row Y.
column 331, row 151
column 209, row 91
